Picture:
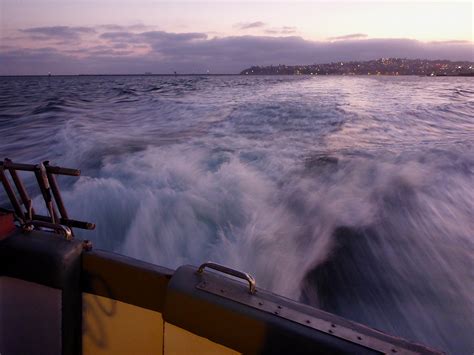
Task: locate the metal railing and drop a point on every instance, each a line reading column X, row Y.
column 23, row 209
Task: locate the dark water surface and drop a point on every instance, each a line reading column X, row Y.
column 355, row 195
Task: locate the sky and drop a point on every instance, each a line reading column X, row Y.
column 138, row 36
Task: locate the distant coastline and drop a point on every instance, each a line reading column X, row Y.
column 88, row 75
column 382, row 66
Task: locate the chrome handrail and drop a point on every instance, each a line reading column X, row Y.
column 227, row 270
column 65, row 231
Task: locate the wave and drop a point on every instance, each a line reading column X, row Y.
column 384, row 242
column 351, row 194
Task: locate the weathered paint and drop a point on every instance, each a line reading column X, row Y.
column 114, row 327
column 180, row 342
column 6, row 225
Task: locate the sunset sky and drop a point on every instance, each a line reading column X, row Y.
column 137, row 36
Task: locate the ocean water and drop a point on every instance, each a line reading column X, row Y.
column 352, row 194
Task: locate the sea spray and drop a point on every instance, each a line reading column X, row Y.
column 354, row 195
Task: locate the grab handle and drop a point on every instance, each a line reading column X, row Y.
column 58, row 228
column 226, row 270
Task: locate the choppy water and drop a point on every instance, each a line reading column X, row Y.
column 355, row 195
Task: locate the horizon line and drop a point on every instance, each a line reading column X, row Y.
column 49, row 74
column 233, row 74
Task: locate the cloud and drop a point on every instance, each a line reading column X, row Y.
column 100, row 50
column 196, row 52
column 152, row 37
column 57, row 32
column 117, row 28
column 33, row 61
column 249, row 25
column 450, row 42
column 229, row 54
column 348, row 37
column 285, row 30
column 118, row 36
column 161, row 36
